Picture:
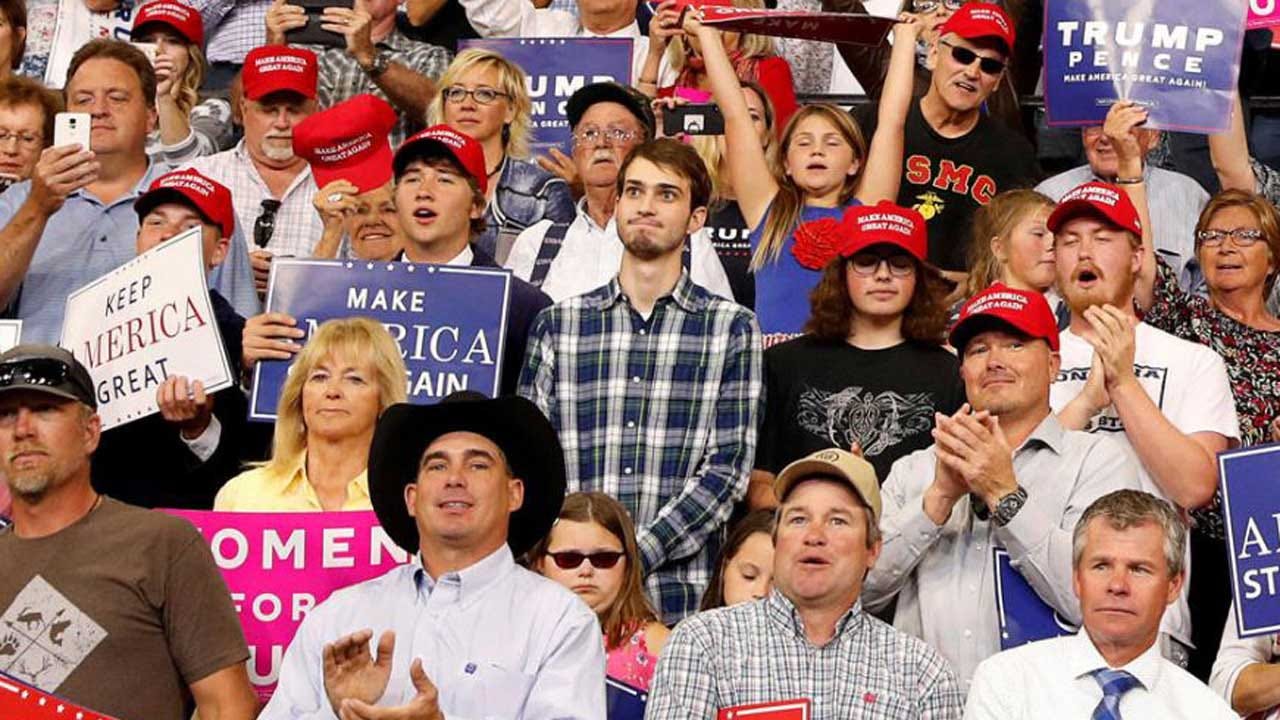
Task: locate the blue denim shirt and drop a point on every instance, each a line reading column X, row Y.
column 526, row 194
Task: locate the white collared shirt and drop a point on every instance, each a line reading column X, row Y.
column 498, row 641
column 1237, row 653
column 592, row 255
column 1053, row 679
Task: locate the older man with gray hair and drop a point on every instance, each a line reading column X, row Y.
column 1128, row 551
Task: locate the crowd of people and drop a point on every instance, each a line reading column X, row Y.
column 781, row 409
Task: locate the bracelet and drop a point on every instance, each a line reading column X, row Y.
column 642, row 81
column 1130, row 181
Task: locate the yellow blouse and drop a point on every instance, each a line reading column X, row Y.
column 260, row 490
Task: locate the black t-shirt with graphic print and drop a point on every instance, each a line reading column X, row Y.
column 732, row 240
column 822, row 394
column 947, row 179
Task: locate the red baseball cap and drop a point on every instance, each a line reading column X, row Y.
column 1024, row 310
column 819, row 242
column 181, row 18
column 1097, row 198
column 274, row 68
column 209, row 197
column 979, row 19
column 459, row 146
column 348, row 142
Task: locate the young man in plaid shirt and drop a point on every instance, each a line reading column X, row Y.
column 653, row 383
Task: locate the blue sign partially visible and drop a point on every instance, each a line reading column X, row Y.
column 556, row 69
column 1024, row 617
column 1250, row 483
column 450, row 321
column 624, row 702
column 1178, row 58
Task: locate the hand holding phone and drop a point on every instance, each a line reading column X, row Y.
column 72, row 128
column 702, row 119
column 67, row 166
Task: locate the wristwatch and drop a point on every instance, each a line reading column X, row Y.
column 381, row 61
column 1008, row 506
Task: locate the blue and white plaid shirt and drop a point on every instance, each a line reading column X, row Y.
column 660, row 413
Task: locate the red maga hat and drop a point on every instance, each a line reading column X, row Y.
column 459, row 146
column 978, row 19
column 181, row 18
column 1097, row 198
column 274, row 68
column 348, row 142
column 209, row 197
column 820, row 241
column 1024, row 310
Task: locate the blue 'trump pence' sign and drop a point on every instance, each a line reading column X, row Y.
column 556, row 68
column 1250, row 482
column 1179, row 58
column 450, row 322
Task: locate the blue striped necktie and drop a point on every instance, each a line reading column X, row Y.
column 1114, row 684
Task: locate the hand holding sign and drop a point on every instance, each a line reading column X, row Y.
column 1122, row 127
column 185, row 404
column 425, row 705
column 267, row 337
column 351, row 673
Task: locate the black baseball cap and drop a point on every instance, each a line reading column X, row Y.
column 613, row 92
column 46, row 369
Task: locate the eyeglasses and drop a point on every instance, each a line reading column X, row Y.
column 1243, row 237
column 265, row 226
column 28, row 140
column 572, row 559
column 965, row 56
column 482, row 95
column 596, row 136
column 39, row 371
column 928, row 6
column 868, row 264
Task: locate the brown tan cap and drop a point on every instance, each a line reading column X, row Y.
column 840, row 464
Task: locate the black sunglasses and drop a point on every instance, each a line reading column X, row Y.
column 39, row 371
column 965, row 56
column 572, row 559
column 265, row 226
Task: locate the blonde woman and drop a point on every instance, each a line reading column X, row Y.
column 177, row 34
column 1012, row 245
column 485, row 96
column 349, row 371
column 753, row 58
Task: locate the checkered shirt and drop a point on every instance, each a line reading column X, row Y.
column 659, row 413
column 342, row 78
column 757, row 652
column 233, row 27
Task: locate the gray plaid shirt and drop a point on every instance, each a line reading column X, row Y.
column 757, row 652
column 341, row 77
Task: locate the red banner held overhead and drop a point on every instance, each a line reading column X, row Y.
column 20, row 700
column 824, row 26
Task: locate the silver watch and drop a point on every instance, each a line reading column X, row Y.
column 1008, row 506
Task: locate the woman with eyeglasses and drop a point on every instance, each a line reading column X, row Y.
column 349, row 371
column 871, row 370
column 1237, row 244
column 824, row 166
column 592, row 551
column 485, row 96
column 870, row 65
column 753, row 58
column 27, row 110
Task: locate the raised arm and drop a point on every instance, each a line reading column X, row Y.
column 883, row 172
column 749, row 172
column 1229, row 152
column 1121, row 124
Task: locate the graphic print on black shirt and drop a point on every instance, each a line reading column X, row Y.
column 876, row 421
column 732, row 240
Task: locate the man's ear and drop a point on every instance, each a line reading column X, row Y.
column 515, row 494
column 696, row 220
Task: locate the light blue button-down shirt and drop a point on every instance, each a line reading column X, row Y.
column 86, row 239
column 498, row 642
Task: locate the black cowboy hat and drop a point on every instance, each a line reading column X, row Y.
column 514, row 424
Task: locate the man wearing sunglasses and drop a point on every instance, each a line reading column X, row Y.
column 956, row 156
column 461, row 631
column 271, row 186
column 121, row 610
column 1002, row 473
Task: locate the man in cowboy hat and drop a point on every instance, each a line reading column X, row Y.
column 466, row 485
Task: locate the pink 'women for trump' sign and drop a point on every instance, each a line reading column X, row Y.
column 278, row 566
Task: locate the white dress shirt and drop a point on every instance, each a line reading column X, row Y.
column 1237, row 653
column 519, row 18
column 498, row 641
column 1052, row 679
column 592, row 255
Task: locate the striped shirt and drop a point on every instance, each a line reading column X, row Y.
column 757, row 652
column 660, row 413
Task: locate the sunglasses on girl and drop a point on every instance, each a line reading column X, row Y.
column 965, row 56
column 572, row 559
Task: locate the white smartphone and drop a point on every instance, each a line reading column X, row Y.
column 148, row 49
column 71, row 128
